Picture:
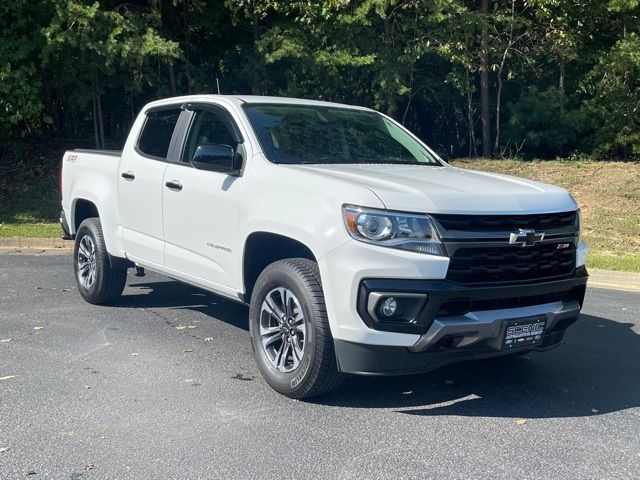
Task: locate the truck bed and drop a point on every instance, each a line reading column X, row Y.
column 113, row 153
column 92, row 176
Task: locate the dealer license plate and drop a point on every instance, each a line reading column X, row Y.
column 523, row 332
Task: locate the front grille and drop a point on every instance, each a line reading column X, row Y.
column 501, row 223
column 511, row 263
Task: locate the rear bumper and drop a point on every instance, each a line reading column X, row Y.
column 66, row 235
column 472, row 333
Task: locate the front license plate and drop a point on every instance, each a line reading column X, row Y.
column 524, row 332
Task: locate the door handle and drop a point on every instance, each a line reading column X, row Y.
column 128, row 175
column 174, row 185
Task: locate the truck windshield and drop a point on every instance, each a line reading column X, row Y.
column 309, row 134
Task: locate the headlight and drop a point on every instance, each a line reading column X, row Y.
column 416, row 233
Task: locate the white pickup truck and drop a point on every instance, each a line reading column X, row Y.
column 357, row 248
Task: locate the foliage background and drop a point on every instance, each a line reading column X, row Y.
column 562, row 75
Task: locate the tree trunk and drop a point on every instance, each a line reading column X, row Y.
column 100, row 121
column 472, row 131
column 98, row 111
column 562, row 74
column 257, row 68
column 485, row 114
column 132, row 107
column 498, row 99
column 172, row 78
column 95, row 121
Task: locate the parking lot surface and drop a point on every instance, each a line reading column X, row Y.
column 163, row 385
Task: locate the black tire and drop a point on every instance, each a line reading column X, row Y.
column 108, row 282
column 317, row 371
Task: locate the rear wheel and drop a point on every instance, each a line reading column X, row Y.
column 97, row 281
column 290, row 332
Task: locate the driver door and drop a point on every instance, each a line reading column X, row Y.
column 201, row 208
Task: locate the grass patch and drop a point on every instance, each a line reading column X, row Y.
column 34, row 230
column 35, row 200
column 608, row 194
column 625, row 262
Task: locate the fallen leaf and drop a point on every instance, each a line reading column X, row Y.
column 38, row 288
column 30, row 472
column 188, row 350
column 89, row 466
column 181, row 327
column 521, row 422
column 8, row 377
column 66, row 290
column 208, row 339
column 5, row 340
column 86, row 387
column 135, row 354
column 3, row 449
column 38, row 328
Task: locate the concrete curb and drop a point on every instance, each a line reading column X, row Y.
column 629, row 281
column 34, row 245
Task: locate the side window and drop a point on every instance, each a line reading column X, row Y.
column 207, row 127
column 157, row 131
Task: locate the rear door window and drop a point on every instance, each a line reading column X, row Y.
column 157, row 132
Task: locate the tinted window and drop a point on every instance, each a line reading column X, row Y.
column 319, row 134
column 157, row 132
column 207, row 128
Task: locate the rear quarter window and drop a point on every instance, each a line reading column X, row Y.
column 157, row 131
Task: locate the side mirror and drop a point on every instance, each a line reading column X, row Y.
column 216, row 157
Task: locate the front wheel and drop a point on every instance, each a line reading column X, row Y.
column 97, row 281
column 290, row 332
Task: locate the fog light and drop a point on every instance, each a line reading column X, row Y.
column 394, row 307
column 389, row 307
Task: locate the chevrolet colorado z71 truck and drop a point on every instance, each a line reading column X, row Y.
column 358, row 250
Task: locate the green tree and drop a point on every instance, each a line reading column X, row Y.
column 22, row 105
column 614, row 106
column 92, row 48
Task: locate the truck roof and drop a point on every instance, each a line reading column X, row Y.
column 253, row 99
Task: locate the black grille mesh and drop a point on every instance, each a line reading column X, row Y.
column 511, row 263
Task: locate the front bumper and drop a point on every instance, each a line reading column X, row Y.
column 472, row 332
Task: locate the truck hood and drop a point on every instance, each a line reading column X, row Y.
column 432, row 189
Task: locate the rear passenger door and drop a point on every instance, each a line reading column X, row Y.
column 140, row 186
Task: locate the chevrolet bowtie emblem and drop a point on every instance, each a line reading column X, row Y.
column 525, row 237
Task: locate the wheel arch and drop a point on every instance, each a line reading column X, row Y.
column 263, row 248
column 82, row 209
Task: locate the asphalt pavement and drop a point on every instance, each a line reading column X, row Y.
column 163, row 385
